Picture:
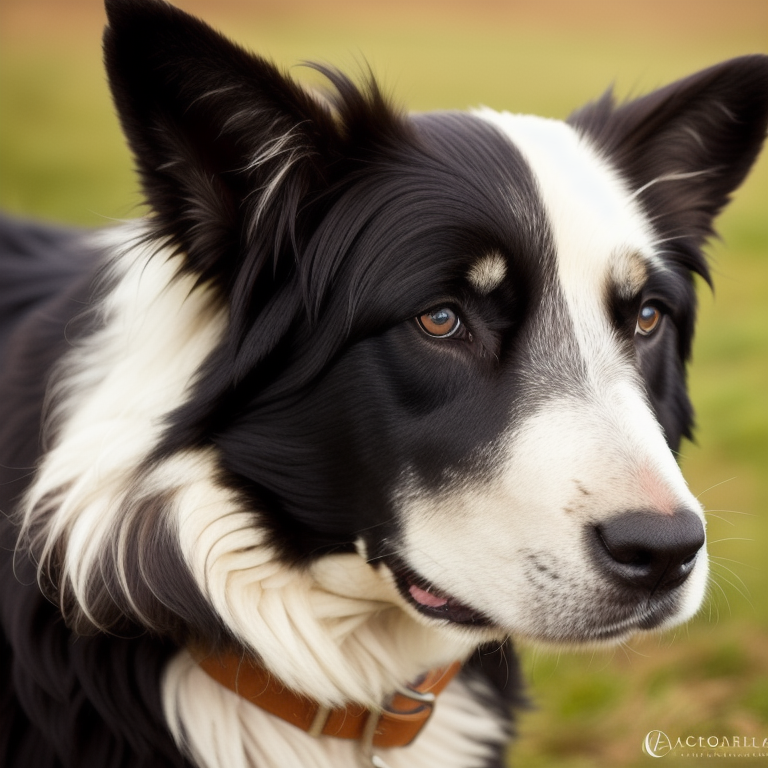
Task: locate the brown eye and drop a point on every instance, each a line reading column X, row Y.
column 648, row 319
column 440, row 323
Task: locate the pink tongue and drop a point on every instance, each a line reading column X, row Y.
column 426, row 598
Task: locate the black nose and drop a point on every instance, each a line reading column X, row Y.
column 650, row 550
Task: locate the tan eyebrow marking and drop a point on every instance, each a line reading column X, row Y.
column 488, row 272
column 629, row 272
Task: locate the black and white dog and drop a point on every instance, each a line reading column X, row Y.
column 363, row 396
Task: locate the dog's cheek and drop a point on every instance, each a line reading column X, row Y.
column 664, row 375
column 515, row 546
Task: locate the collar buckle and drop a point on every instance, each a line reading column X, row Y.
column 423, row 700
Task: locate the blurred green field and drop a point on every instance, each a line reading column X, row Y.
column 62, row 157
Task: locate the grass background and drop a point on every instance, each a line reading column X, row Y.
column 62, row 157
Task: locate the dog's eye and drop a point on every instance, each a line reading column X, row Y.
column 648, row 319
column 440, row 323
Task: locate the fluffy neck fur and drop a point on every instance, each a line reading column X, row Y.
column 336, row 631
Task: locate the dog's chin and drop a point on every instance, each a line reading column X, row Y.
column 599, row 633
column 584, row 633
column 441, row 607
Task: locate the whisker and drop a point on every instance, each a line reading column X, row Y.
column 706, row 490
column 731, row 560
column 730, row 538
column 744, row 592
column 719, row 586
column 720, row 517
column 730, row 512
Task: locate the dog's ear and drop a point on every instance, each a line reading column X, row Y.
column 682, row 150
column 226, row 145
column 686, row 147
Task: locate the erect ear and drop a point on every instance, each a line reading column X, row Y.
column 686, row 147
column 226, row 146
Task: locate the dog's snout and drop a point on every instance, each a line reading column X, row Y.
column 649, row 550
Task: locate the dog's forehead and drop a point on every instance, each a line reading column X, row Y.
column 600, row 235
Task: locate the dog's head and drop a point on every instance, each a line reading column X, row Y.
column 451, row 345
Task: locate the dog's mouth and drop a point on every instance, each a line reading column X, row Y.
column 432, row 601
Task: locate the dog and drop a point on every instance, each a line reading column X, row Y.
column 287, row 463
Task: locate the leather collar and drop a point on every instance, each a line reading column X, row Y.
column 396, row 724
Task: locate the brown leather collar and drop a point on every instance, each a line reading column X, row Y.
column 396, row 725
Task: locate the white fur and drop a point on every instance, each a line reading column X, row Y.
column 485, row 545
column 110, row 397
column 595, row 221
column 335, row 631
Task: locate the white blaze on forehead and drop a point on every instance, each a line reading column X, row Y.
column 487, row 273
column 591, row 211
column 594, row 220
